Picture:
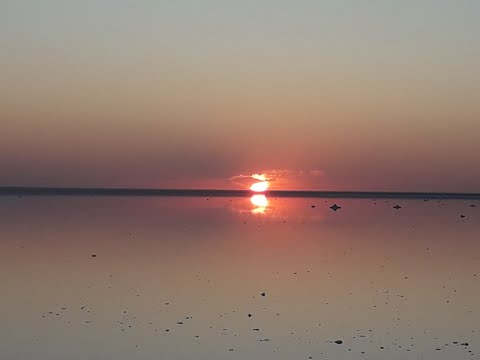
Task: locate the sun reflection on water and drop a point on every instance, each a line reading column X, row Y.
column 260, row 202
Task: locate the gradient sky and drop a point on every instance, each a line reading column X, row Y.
column 361, row 95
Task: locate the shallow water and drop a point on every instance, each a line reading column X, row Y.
column 177, row 278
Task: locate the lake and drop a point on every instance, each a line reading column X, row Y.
column 238, row 278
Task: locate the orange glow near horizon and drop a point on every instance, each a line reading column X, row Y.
column 261, row 177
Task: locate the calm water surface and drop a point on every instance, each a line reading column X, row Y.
column 196, row 278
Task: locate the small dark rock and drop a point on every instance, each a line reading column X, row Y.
column 339, row 342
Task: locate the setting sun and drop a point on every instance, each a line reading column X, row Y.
column 261, row 186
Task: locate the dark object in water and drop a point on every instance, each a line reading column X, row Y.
column 335, row 207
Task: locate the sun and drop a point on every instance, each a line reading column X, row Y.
column 261, row 186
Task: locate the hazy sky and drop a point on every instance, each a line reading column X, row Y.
column 363, row 95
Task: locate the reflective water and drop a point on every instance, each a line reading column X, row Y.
column 196, row 278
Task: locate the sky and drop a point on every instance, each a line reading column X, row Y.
column 329, row 95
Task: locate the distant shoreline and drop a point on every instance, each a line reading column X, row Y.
column 74, row 191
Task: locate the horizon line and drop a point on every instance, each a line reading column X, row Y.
column 134, row 192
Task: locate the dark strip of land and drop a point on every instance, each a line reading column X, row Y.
column 70, row 191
